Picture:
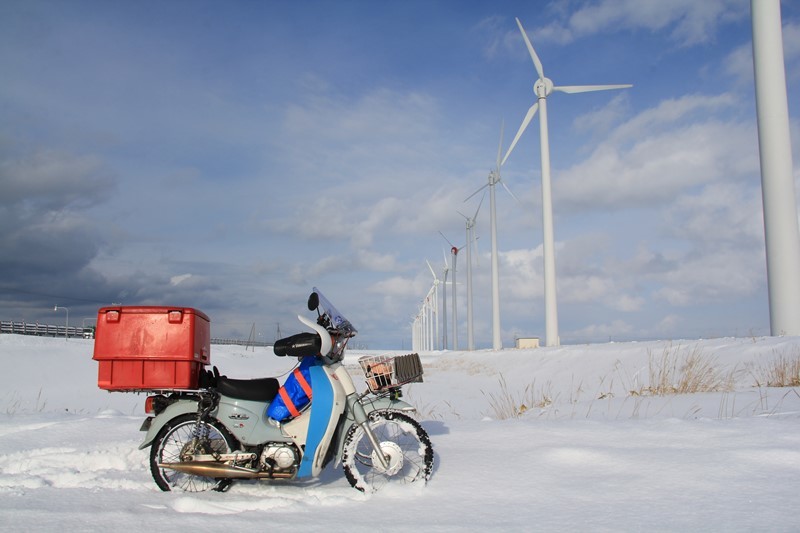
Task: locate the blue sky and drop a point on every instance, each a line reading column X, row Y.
column 229, row 156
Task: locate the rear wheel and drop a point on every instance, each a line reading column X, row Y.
column 177, row 439
column 403, row 442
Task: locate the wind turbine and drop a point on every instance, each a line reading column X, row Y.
column 777, row 184
column 454, row 254
column 416, row 331
column 470, row 228
column 430, row 317
column 494, row 179
column 543, row 88
column 445, row 270
column 435, row 305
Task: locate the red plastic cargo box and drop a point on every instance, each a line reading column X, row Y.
column 151, row 348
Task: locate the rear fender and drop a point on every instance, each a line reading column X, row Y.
column 181, row 407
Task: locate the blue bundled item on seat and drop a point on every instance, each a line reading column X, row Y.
column 295, row 394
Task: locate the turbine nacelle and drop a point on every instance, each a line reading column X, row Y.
column 543, row 87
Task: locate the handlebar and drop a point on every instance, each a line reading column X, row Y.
column 332, row 333
column 300, row 345
column 325, row 338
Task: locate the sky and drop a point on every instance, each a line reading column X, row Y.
column 229, row 156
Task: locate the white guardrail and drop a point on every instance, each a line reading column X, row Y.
column 45, row 330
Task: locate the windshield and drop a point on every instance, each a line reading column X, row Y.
column 337, row 320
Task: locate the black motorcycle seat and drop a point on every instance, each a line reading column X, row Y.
column 256, row 390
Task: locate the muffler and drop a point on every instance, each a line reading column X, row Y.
column 216, row 469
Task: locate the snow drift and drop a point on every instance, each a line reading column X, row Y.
column 556, row 439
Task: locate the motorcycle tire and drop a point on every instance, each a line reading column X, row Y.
column 403, row 442
column 174, row 440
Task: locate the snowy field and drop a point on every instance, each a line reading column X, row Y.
column 593, row 448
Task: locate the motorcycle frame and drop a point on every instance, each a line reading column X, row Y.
column 335, row 407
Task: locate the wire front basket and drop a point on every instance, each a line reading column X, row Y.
column 383, row 372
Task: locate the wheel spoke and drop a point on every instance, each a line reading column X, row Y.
column 407, row 445
column 177, row 442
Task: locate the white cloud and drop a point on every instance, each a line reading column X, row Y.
column 674, row 111
column 689, row 22
column 521, row 273
column 617, row 329
column 177, row 280
column 739, row 62
column 628, row 304
column 791, row 51
column 657, row 154
column 348, row 137
column 791, row 41
column 714, row 276
column 602, row 120
column 376, row 262
column 667, row 326
column 54, row 179
column 721, row 213
column 495, row 30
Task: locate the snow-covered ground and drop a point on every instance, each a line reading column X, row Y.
column 593, row 450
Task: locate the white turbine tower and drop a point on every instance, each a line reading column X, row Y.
column 494, row 179
column 430, row 314
column 454, row 254
column 415, row 332
column 542, row 88
column 445, row 270
column 470, row 228
column 435, row 307
column 777, row 185
column 422, row 329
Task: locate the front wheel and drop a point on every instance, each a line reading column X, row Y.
column 403, row 442
column 183, row 436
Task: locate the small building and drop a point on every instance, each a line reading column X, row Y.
column 526, row 342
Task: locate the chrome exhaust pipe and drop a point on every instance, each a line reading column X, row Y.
column 215, row 469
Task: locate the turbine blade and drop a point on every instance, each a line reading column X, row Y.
column 536, row 62
column 479, row 207
column 431, row 269
column 448, row 240
column 525, row 122
column 500, row 145
column 514, row 196
column 476, row 192
column 589, row 88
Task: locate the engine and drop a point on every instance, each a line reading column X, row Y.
column 279, row 456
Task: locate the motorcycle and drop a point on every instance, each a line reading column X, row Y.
column 204, row 439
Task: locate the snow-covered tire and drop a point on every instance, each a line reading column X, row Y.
column 174, row 439
column 402, row 439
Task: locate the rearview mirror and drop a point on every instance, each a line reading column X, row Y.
column 313, row 301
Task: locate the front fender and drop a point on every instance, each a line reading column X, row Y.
column 386, row 403
column 181, row 407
